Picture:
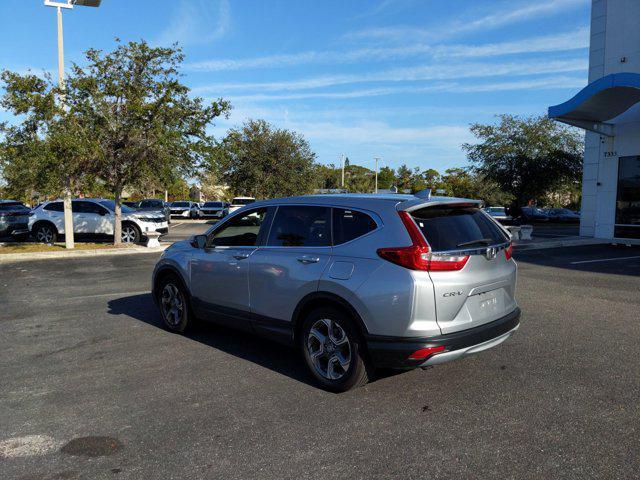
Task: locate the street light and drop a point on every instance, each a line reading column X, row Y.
column 68, row 218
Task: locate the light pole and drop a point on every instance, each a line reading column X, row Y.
column 342, row 162
column 376, row 159
column 68, row 218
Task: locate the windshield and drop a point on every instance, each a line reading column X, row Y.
column 213, row 204
column 243, row 201
column 496, row 210
column 111, row 205
column 180, row 204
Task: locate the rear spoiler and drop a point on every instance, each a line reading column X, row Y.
column 417, row 202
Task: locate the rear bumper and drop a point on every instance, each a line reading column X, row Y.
column 394, row 352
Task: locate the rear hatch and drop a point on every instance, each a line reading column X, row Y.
column 483, row 289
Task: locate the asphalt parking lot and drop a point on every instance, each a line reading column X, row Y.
column 93, row 387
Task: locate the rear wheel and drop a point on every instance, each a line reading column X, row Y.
column 45, row 233
column 333, row 350
column 174, row 304
column 130, row 233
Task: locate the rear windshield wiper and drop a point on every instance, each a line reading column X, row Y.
column 480, row 241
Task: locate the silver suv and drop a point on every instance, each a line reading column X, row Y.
column 355, row 281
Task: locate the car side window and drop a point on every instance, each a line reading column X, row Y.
column 350, row 224
column 54, row 207
column 92, row 207
column 301, row 226
column 241, row 231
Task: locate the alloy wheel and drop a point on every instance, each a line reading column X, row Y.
column 128, row 234
column 329, row 349
column 44, row 235
column 172, row 304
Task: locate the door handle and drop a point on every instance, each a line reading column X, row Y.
column 307, row 259
column 241, row 256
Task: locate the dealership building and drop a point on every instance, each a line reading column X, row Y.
column 608, row 109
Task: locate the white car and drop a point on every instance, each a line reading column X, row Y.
column 93, row 217
column 239, row 202
column 214, row 210
column 185, row 209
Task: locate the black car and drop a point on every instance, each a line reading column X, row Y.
column 14, row 219
column 534, row 214
column 562, row 215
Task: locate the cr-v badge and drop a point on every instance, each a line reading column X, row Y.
column 491, row 252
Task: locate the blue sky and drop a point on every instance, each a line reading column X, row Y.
column 399, row 79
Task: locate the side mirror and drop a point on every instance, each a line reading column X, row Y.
column 200, row 241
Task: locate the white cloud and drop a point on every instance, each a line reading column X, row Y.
column 499, row 18
column 429, row 72
column 568, row 41
column 536, row 84
column 197, row 22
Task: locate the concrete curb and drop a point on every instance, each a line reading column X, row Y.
column 573, row 242
column 25, row 257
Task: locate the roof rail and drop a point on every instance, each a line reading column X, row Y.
column 426, row 194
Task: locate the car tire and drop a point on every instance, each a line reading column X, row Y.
column 336, row 360
column 130, row 233
column 45, row 232
column 174, row 305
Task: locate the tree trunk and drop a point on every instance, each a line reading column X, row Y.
column 68, row 217
column 117, row 227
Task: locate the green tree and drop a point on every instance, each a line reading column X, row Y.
column 527, row 157
column 127, row 118
column 386, row 178
column 143, row 119
column 263, row 161
column 404, row 177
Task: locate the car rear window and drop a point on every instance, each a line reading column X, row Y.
column 13, row 207
column 301, row 227
column 455, row 227
column 350, row 224
column 213, row 204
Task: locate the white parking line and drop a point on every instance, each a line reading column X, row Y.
column 604, row 260
column 174, row 225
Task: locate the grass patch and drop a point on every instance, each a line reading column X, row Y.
column 29, row 247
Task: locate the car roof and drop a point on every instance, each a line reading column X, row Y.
column 363, row 200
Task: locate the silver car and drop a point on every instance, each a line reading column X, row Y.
column 355, row 281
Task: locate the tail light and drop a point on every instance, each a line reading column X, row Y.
column 418, row 256
column 508, row 252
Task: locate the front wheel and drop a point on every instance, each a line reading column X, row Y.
column 333, row 350
column 130, row 233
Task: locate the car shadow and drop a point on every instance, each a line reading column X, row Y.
column 247, row 346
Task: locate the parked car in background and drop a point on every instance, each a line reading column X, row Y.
column 184, row 209
column 562, row 215
column 534, row 214
column 154, row 205
column 93, row 218
column 214, row 209
column 499, row 213
column 14, row 219
column 131, row 204
column 354, row 281
column 239, row 202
